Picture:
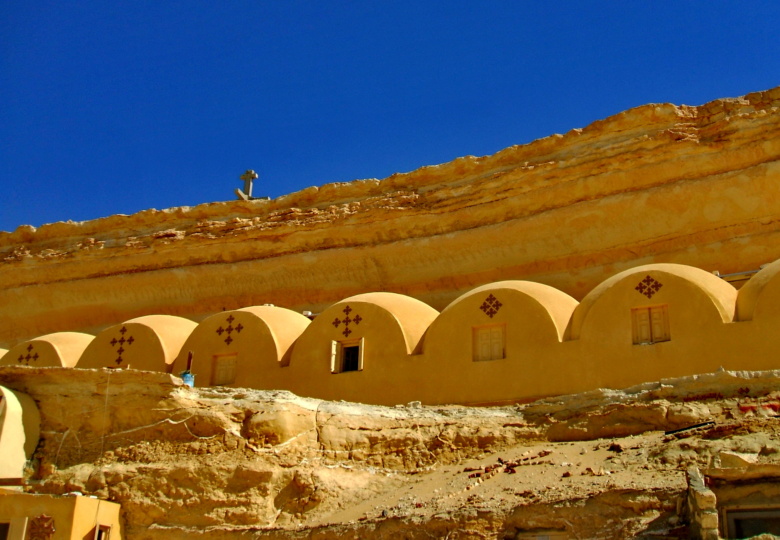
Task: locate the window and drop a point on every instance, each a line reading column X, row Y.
column 102, row 532
column 749, row 523
column 15, row 530
column 223, row 371
column 488, row 342
column 346, row 356
column 650, row 324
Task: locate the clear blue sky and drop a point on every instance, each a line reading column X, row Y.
column 116, row 107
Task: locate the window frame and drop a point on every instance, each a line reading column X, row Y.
column 337, row 355
column 476, row 331
column 215, row 363
column 732, row 514
column 656, row 335
column 103, row 532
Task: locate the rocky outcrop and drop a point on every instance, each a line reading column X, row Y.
column 219, row 462
column 658, row 183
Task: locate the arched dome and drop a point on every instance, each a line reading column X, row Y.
column 60, row 349
column 760, row 296
column 148, row 343
column 244, row 347
column 653, row 283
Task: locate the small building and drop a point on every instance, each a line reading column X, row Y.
column 651, row 322
column 244, row 347
column 52, row 517
column 60, row 349
column 497, row 342
column 364, row 348
column 148, row 343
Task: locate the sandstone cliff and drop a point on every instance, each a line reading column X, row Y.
column 658, row 183
column 222, row 463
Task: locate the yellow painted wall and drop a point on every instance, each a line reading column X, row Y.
column 74, row 516
column 700, row 308
column 391, row 327
column 90, row 513
column 553, row 345
column 533, row 318
column 549, row 343
column 61, row 349
column 148, row 343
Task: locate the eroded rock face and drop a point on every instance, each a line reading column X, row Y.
column 220, row 462
column 692, row 182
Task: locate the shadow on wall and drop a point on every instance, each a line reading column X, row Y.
column 505, row 341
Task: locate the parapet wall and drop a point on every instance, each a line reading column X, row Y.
column 505, row 341
column 656, row 184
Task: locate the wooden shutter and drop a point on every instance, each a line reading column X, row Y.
column 488, row 343
column 643, row 332
column 334, row 357
column 223, row 370
column 483, row 344
column 496, row 343
column 659, row 323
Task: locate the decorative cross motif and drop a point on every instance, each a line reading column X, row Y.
column 31, row 355
column 648, row 286
column 41, row 528
column 230, row 329
column 122, row 341
column 490, row 306
column 347, row 321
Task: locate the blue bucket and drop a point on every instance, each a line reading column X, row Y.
column 188, row 379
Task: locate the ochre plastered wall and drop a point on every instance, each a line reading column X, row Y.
column 549, row 343
column 390, row 327
column 532, row 318
column 259, row 338
column 20, row 424
column 73, row 517
column 148, row 343
column 61, row 349
column 700, row 308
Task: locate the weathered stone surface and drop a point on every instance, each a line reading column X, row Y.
column 221, row 462
column 695, row 184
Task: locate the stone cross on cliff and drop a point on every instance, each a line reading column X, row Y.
column 246, row 195
column 248, row 177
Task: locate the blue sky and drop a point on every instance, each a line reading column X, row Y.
column 116, row 107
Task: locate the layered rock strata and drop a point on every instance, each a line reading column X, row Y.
column 658, row 183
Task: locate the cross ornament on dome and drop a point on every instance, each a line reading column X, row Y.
column 121, row 341
column 229, row 329
column 648, row 286
column 347, row 321
column 490, row 306
column 31, row 355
